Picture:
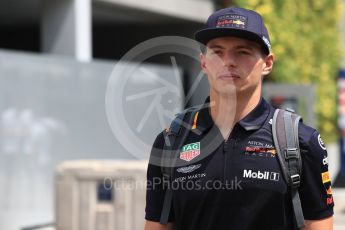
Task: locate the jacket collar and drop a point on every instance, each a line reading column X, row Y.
column 253, row 121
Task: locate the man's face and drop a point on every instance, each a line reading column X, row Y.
column 235, row 63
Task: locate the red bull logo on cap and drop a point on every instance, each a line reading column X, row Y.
column 232, row 20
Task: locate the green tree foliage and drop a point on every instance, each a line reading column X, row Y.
column 305, row 40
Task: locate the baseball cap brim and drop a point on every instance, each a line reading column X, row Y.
column 205, row 35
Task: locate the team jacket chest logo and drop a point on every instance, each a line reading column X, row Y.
column 259, row 149
column 190, row 151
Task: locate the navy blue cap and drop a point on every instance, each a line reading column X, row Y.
column 237, row 22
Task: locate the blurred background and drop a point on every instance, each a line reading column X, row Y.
column 60, row 146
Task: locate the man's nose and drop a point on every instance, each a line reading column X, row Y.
column 229, row 60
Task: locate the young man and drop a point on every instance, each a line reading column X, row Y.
column 227, row 175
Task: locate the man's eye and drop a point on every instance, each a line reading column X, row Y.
column 218, row 52
column 246, row 52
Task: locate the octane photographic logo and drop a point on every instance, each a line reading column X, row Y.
column 140, row 100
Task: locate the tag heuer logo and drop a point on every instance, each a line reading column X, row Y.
column 190, row 151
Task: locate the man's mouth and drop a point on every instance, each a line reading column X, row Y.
column 228, row 76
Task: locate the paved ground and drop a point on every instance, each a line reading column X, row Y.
column 339, row 194
column 339, row 217
column 339, row 209
column 20, row 207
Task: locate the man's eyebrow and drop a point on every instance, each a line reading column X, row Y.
column 237, row 47
column 216, row 47
column 244, row 47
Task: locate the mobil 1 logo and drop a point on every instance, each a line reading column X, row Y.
column 265, row 175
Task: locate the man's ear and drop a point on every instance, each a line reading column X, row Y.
column 268, row 65
column 202, row 62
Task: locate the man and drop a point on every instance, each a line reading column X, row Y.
column 230, row 164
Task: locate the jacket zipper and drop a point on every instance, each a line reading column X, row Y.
column 225, row 152
column 228, row 147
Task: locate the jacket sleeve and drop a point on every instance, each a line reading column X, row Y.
column 315, row 190
column 155, row 190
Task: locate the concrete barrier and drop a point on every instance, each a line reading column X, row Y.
column 100, row 195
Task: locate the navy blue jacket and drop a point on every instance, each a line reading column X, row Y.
column 238, row 183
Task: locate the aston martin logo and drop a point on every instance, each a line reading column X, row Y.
column 188, row 169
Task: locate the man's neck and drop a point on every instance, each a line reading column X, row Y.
column 227, row 110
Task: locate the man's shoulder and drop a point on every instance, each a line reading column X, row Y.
column 306, row 133
column 159, row 141
column 311, row 141
column 176, row 120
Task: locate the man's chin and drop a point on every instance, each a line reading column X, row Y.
column 228, row 90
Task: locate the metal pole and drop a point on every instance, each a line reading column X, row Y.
column 220, row 4
column 340, row 179
column 39, row 226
